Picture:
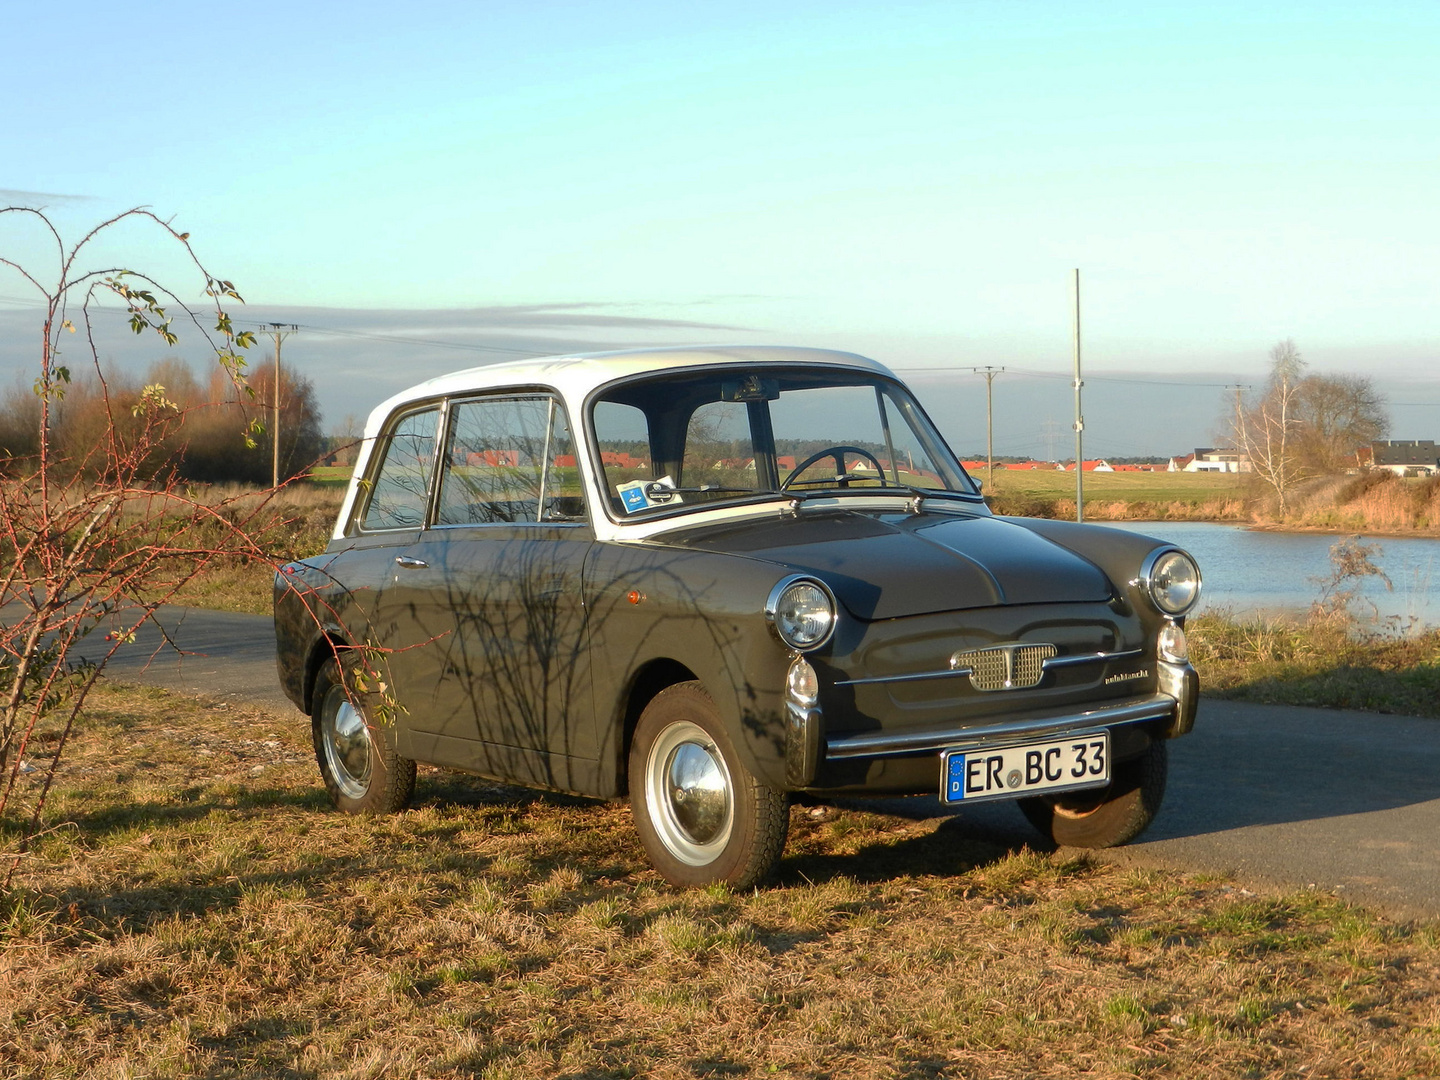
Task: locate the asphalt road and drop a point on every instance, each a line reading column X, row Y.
column 1343, row 802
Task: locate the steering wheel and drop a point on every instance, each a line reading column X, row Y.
column 837, row 453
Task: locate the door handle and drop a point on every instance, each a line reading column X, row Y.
column 410, row 564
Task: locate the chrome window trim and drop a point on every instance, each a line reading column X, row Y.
column 375, row 465
column 508, row 525
column 504, row 393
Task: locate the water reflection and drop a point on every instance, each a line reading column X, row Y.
column 1249, row 571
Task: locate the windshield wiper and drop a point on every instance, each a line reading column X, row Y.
column 884, row 486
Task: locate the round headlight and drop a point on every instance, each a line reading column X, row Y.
column 1174, row 582
column 803, row 613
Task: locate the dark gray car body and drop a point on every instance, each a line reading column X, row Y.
column 527, row 652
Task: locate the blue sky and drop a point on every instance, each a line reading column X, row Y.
column 912, row 181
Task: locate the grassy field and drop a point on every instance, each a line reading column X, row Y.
column 330, row 475
column 1129, row 486
column 1122, row 496
column 202, row 913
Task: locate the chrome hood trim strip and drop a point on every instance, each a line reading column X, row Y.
column 949, row 673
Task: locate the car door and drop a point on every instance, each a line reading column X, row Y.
column 492, row 593
column 387, row 521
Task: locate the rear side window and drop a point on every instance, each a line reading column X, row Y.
column 399, row 494
column 509, row 460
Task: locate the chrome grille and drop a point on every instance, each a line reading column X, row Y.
column 1004, row 667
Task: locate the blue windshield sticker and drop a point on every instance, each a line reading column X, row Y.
column 632, row 495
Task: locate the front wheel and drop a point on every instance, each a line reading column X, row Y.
column 702, row 816
column 363, row 772
column 1108, row 816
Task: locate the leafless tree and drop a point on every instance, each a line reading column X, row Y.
column 1267, row 427
column 1338, row 415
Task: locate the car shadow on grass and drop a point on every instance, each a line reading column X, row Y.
column 958, row 844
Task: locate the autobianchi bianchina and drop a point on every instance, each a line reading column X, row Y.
column 712, row 579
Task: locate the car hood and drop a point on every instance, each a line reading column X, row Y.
column 884, row 566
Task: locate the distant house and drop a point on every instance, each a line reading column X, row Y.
column 622, row 460
column 1098, row 465
column 1419, row 457
column 492, row 459
column 1211, row 459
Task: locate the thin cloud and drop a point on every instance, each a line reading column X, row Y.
column 13, row 195
column 569, row 315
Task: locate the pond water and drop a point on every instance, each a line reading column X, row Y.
column 1254, row 571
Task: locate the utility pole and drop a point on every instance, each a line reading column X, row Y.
column 1079, row 419
column 1240, row 437
column 989, row 373
column 1050, row 437
column 1238, row 387
column 280, row 331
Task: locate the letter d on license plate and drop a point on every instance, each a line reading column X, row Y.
column 1011, row 772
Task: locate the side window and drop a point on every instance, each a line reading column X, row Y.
column 397, row 500
column 509, row 460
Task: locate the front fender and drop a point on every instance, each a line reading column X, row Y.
column 648, row 605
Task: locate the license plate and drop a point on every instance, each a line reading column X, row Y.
column 1010, row 772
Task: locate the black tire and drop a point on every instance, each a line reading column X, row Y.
column 1108, row 816
column 732, row 829
column 363, row 772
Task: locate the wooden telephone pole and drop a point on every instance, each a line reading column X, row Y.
column 989, row 373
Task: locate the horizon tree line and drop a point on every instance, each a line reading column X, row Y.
column 207, row 444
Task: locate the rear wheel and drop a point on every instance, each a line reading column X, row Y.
column 363, row 772
column 702, row 816
column 1108, row 816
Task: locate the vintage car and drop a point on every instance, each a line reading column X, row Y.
column 715, row 578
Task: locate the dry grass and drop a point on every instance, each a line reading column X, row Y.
column 309, row 513
column 1316, row 661
column 205, row 915
column 1372, row 502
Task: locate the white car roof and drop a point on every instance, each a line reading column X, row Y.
column 575, row 376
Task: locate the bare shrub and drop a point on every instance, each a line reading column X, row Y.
column 1352, row 561
column 96, row 530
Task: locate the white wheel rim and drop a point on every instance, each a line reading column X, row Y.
column 689, row 794
column 345, row 739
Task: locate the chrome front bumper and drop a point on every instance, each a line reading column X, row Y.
column 1176, row 702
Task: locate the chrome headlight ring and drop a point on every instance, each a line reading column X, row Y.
column 802, row 611
column 1171, row 580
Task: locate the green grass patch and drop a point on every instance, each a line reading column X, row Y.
column 205, row 913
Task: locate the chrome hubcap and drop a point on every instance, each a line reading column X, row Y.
column 688, row 789
column 346, row 741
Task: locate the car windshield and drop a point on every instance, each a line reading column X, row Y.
column 699, row 437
